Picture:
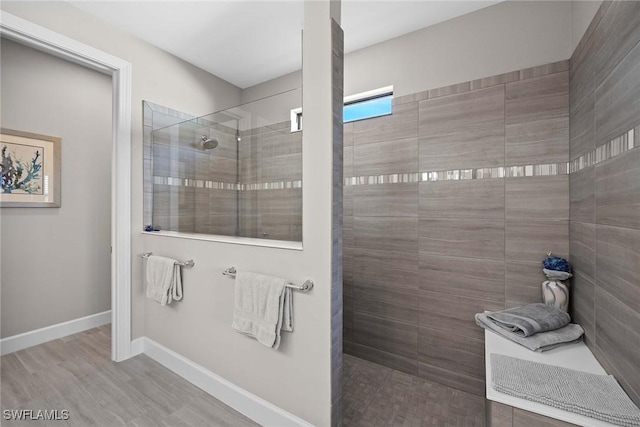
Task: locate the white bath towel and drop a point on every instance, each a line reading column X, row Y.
column 262, row 307
column 164, row 283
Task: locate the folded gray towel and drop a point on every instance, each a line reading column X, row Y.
column 591, row 395
column 530, row 319
column 541, row 341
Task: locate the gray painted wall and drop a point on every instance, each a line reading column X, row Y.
column 582, row 13
column 56, row 262
column 508, row 36
column 158, row 77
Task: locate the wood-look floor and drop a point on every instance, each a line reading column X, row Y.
column 76, row 374
column 374, row 395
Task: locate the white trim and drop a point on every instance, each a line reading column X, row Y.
column 369, row 94
column 254, row 407
column 248, row 241
column 37, row 37
column 296, row 124
column 53, row 332
column 137, row 346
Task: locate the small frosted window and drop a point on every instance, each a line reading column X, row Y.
column 365, row 109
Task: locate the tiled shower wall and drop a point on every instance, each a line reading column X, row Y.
column 450, row 205
column 154, row 117
column 216, row 209
column 271, row 169
column 180, row 165
column 250, row 188
column 605, row 189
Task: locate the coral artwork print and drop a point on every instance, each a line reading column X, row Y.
column 21, row 167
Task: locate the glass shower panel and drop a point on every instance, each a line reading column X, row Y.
column 271, row 200
column 173, row 166
column 236, row 172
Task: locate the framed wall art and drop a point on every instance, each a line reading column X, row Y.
column 30, row 170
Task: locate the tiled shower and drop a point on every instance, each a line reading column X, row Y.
column 450, row 204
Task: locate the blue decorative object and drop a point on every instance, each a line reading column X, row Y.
column 148, row 228
column 556, row 263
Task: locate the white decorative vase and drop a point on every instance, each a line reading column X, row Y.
column 555, row 293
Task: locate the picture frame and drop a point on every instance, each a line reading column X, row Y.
column 30, row 166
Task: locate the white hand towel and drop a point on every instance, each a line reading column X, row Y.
column 263, row 307
column 175, row 290
column 164, row 283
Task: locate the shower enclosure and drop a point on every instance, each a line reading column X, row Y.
column 236, row 172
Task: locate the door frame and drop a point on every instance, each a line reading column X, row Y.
column 45, row 40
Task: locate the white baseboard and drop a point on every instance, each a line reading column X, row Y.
column 53, row 332
column 137, row 346
column 252, row 406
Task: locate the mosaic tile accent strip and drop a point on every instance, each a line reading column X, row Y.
column 617, row 146
column 463, row 174
column 394, row 178
column 194, row 183
column 550, row 169
column 280, row 185
column 215, row 185
column 584, row 161
column 451, row 175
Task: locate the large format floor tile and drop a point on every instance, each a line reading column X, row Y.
column 76, row 373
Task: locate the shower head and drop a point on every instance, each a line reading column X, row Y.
column 208, row 143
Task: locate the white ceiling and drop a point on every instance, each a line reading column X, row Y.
column 250, row 42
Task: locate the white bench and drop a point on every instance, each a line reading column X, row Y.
column 575, row 356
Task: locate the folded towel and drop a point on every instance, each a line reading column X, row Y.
column 262, row 308
column 164, row 283
column 591, row 395
column 530, row 319
column 541, row 341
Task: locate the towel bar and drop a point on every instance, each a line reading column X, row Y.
column 187, row 264
column 306, row 286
